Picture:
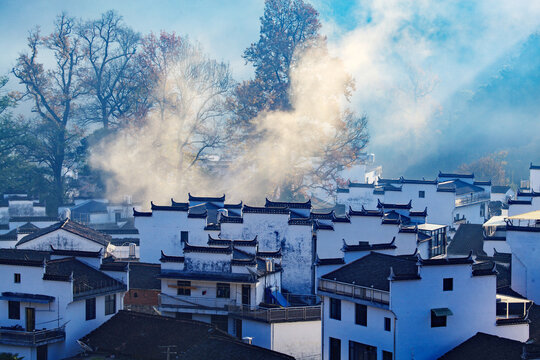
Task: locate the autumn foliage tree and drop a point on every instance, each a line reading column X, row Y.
column 490, row 167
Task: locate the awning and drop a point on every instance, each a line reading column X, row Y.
column 442, row 312
column 32, row 298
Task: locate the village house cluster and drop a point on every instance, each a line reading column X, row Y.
column 397, row 269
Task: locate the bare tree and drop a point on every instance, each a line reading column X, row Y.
column 53, row 93
column 110, row 77
column 188, row 94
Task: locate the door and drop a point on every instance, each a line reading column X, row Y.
column 30, row 319
column 246, row 295
column 238, row 326
column 42, row 352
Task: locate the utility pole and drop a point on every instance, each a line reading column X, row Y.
column 168, row 351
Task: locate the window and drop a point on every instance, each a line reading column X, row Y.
column 335, row 349
column 387, row 324
column 223, row 290
column 386, row 355
column 110, row 304
column 90, row 309
column 437, row 321
column 16, row 278
column 14, row 310
column 335, row 309
column 358, row 351
column 448, row 284
column 183, row 288
column 482, row 210
column 361, row 314
column 184, row 236
column 135, row 294
column 421, row 194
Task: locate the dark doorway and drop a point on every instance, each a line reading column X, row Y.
column 30, row 319
column 246, row 295
column 42, row 352
column 238, row 326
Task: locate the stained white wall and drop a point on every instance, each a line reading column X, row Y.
column 61, row 239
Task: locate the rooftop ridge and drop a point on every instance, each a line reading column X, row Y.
column 290, row 205
column 206, row 198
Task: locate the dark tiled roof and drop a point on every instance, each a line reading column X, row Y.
column 9, row 236
column 290, row 205
column 197, row 215
column 120, row 231
column 301, row 221
column 361, row 185
column 270, row 254
column 459, row 186
column 143, row 337
column 206, row 198
column 4, row 226
column 373, row 270
column 366, row 246
column 322, row 216
column 24, row 254
column 388, row 181
column 212, row 227
column 207, row 249
column 485, row 347
column 534, row 167
column 411, row 229
column 182, row 205
column 85, row 277
column 208, row 276
column 447, row 261
column 529, row 193
column 468, row 237
column 169, row 258
column 418, row 213
column 417, row 181
column 33, row 218
column 144, row 276
column 330, row 261
column 141, row 213
column 456, row 176
column 322, row 226
column 341, row 219
column 233, row 206
column 72, row 227
column 365, row 212
column 498, row 189
column 231, row 219
column 264, row 210
column 228, row 242
column 75, row 253
column 510, row 227
column 482, row 183
column 519, row 202
column 155, row 207
column 381, row 205
column 484, row 269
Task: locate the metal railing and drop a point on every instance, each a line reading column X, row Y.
column 194, row 302
column 471, row 198
column 89, row 288
column 354, row 291
column 32, row 338
column 300, row 313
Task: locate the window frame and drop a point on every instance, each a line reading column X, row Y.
column 448, row 284
column 335, row 309
column 387, row 324
column 438, row 321
column 360, row 320
column 184, row 236
column 223, row 290
column 422, row 194
column 90, row 308
column 183, row 291
column 387, row 355
column 16, row 278
column 110, row 304
column 333, row 344
column 14, row 310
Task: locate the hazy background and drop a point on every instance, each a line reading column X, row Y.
column 443, row 83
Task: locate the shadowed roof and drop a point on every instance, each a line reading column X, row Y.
column 486, row 347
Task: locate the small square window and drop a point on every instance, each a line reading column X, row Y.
column 386, row 355
column 421, row 194
column 387, row 324
column 448, row 284
column 16, row 278
column 183, row 288
column 223, row 290
column 335, row 309
column 437, row 321
column 90, row 309
column 184, row 236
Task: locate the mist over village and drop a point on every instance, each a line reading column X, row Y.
column 269, row 179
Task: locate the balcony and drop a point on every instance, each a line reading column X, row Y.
column 300, row 313
column 32, row 338
column 174, row 303
column 92, row 288
column 472, row 198
column 354, row 291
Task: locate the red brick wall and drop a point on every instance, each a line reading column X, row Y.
column 141, row 297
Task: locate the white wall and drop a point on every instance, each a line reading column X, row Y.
column 525, row 264
column 300, row 339
column 61, row 239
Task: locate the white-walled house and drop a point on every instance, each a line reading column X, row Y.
column 450, row 199
column 522, row 237
column 66, row 235
column 401, row 307
column 49, row 300
column 502, row 193
column 232, row 285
